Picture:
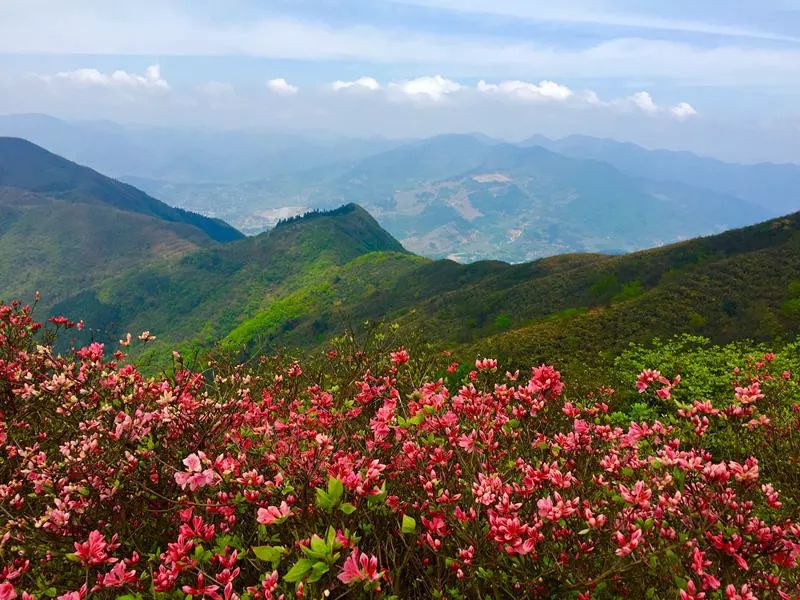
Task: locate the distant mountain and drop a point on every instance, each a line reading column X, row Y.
column 774, row 187
column 466, row 198
column 26, row 166
column 183, row 155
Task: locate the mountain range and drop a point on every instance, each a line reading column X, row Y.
column 125, row 262
column 465, row 197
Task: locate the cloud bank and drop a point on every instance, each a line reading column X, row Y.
column 438, row 89
column 119, row 79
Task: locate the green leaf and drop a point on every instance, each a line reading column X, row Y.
column 318, row 570
column 330, row 537
column 323, row 500
column 318, row 544
column 378, row 498
column 347, row 508
column 335, row 490
column 409, row 524
column 417, row 419
column 299, row 570
column 270, row 554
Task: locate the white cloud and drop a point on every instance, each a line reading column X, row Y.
column 683, row 110
column 151, row 80
column 281, row 87
column 644, row 102
column 550, row 90
column 544, row 90
column 434, row 88
column 362, row 83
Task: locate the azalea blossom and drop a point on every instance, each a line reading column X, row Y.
column 360, row 567
column 272, row 514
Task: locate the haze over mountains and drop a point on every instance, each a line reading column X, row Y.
column 467, row 197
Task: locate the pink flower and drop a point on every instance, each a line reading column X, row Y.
column 691, row 592
column 272, row 514
column 400, row 357
column 94, row 550
column 79, row 595
column 743, row 594
column 627, row 544
column 200, row 588
column 546, row 379
column 195, row 478
column 487, row 488
column 647, row 377
column 749, row 394
column 7, row 591
column 467, row 441
column 116, row 577
column 192, row 462
column 639, row 494
column 360, row 567
column 486, row 364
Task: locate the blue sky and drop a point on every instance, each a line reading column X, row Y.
column 721, row 78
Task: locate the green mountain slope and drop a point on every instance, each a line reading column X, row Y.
column 318, row 275
column 58, row 247
column 243, row 290
column 26, row 166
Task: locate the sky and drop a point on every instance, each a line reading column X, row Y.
column 718, row 78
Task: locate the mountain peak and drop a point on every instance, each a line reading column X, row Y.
column 349, row 225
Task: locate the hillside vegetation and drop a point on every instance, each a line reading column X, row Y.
column 316, row 276
column 58, row 247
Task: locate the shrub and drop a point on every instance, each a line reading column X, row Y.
column 360, row 473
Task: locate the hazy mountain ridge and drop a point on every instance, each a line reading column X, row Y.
column 769, row 185
column 29, row 167
column 587, row 194
column 185, row 155
column 474, row 199
column 536, row 203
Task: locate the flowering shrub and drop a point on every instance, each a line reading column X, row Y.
column 353, row 476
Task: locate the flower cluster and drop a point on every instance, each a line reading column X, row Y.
column 349, row 476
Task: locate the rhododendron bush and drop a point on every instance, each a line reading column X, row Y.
column 360, row 474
